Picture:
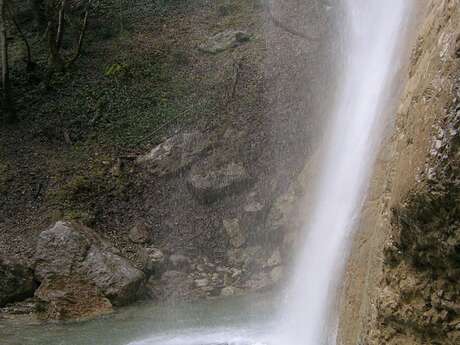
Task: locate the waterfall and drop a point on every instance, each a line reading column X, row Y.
column 371, row 33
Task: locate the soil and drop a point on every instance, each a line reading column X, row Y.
column 140, row 80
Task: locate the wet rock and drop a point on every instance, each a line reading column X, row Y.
column 179, row 262
column 114, row 275
column 276, row 274
column 201, row 283
column 175, row 154
column 274, row 259
column 235, row 233
column 140, row 233
column 249, row 258
column 259, row 281
column 175, row 285
column 153, row 261
column 28, row 306
column 224, row 40
column 16, row 282
column 72, row 298
column 208, row 183
column 69, row 250
column 253, row 207
column 230, row 291
column 279, row 214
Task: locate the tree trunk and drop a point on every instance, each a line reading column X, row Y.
column 4, row 57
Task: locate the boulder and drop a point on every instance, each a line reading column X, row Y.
column 249, row 258
column 115, row 276
column 253, row 207
column 235, row 233
column 230, row 291
column 223, row 41
column 279, row 215
column 176, row 285
column 72, row 298
column 152, row 261
column 202, row 282
column 16, row 282
column 179, row 262
column 276, row 274
column 72, row 252
column 208, row 183
column 140, row 233
column 259, row 281
column 274, row 259
column 175, row 154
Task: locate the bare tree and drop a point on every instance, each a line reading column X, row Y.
column 11, row 13
column 57, row 61
column 4, row 59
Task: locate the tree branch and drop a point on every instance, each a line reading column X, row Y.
column 22, row 35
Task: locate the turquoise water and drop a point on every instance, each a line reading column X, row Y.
column 236, row 320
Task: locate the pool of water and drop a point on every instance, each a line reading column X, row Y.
column 231, row 321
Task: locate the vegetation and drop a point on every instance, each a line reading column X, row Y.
column 136, row 78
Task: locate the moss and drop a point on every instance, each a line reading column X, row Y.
column 84, row 197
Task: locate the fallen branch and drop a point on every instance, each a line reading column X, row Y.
column 236, row 69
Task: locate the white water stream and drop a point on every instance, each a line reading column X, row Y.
column 372, row 33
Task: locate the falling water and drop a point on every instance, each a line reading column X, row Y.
column 372, row 31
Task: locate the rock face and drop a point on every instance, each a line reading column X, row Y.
column 69, row 256
column 413, row 217
column 208, row 183
column 224, row 40
column 176, row 153
column 16, row 282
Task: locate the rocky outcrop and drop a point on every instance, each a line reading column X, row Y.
column 175, row 154
column 209, row 182
column 71, row 258
column 223, row 41
column 16, row 282
column 420, row 296
column 402, row 285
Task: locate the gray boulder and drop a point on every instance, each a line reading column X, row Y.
column 279, row 216
column 236, row 234
column 208, row 183
column 223, row 41
column 140, row 233
column 69, row 250
column 152, row 261
column 179, row 262
column 16, row 282
column 176, row 153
